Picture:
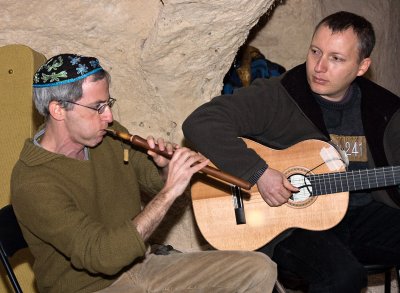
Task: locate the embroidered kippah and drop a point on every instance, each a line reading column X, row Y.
column 65, row 68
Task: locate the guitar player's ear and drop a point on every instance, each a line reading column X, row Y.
column 364, row 65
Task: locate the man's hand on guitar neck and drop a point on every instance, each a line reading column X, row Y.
column 274, row 187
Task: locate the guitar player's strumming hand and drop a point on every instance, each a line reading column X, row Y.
column 275, row 188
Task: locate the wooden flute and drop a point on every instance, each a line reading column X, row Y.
column 141, row 142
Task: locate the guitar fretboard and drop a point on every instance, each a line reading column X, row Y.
column 354, row 180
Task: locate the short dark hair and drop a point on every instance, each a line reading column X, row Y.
column 343, row 20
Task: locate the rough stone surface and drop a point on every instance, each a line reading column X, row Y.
column 187, row 54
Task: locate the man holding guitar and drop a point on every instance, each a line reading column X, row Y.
column 324, row 99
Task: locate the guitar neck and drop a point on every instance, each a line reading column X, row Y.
column 354, row 180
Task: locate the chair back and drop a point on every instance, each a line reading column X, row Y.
column 11, row 238
column 19, row 120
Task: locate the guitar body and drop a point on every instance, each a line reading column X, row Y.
column 214, row 209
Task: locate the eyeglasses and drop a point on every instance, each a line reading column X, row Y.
column 100, row 108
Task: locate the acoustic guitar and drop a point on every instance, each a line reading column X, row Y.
column 234, row 219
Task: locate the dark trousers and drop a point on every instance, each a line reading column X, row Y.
column 332, row 260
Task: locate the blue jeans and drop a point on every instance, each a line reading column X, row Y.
column 332, row 261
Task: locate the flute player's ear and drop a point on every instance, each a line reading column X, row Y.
column 56, row 110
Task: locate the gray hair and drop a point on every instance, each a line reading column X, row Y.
column 70, row 92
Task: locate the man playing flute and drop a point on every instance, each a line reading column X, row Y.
column 78, row 201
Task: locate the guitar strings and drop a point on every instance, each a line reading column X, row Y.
column 308, row 176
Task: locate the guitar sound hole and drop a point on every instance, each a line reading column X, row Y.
column 301, row 182
column 304, row 197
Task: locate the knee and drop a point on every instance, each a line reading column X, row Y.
column 264, row 272
column 262, row 263
column 262, row 260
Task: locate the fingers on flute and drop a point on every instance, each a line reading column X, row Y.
column 170, row 147
column 190, row 158
column 161, row 144
column 151, row 142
